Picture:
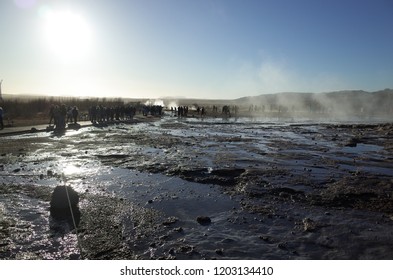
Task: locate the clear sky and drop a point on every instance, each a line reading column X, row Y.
column 218, row 49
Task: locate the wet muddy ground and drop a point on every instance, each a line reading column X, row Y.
column 202, row 189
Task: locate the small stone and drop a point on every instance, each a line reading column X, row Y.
column 264, row 238
column 353, row 142
column 178, row 229
column 170, row 221
column 203, row 220
column 220, row 252
column 186, row 249
column 171, row 251
column 309, row 225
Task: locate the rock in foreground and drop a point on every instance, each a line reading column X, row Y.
column 61, row 203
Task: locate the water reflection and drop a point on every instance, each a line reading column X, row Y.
column 71, row 170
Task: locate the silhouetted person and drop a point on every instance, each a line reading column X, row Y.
column 1, row 118
column 69, row 114
column 61, row 115
column 75, row 113
column 52, row 114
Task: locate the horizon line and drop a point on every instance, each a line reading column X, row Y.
column 37, row 95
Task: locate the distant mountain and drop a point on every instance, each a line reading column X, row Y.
column 348, row 101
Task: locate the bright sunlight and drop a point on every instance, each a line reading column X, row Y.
column 67, row 34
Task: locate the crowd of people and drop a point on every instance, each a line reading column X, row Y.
column 61, row 115
column 201, row 111
column 183, row 111
column 154, row 110
column 101, row 113
column 180, row 111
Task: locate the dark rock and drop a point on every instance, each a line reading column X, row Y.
column 353, row 142
column 309, row 224
column 170, row 221
column 186, row 249
column 204, row 220
column 219, row 252
column 264, row 238
column 178, row 229
column 61, row 204
column 171, row 251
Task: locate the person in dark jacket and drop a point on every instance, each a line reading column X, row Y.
column 1, row 118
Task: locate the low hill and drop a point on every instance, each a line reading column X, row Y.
column 348, row 102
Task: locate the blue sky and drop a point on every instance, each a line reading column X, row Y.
column 218, row 49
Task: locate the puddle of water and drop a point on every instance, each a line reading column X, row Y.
column 362, row 148
column 156, row 190
column 186, row 201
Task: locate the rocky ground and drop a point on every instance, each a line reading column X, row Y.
column 202, row 189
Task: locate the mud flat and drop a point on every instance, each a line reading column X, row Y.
column 202, row 189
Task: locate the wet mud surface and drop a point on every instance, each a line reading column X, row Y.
column 202, row 189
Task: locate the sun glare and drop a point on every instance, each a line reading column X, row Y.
column 67, row 34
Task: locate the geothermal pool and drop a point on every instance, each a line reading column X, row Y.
column 272, row 188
